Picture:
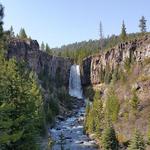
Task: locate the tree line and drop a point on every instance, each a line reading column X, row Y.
column 80, row 50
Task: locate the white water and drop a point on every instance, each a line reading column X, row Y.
column 72, row 129
column 75, row 88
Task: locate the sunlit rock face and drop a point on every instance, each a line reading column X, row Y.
column 94, row 66
column 75, row 88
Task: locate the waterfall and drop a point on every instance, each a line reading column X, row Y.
column 75, row 88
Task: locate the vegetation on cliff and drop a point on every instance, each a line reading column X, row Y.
column 123, row 102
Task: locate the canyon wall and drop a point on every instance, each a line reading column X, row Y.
column 94, row 66
column 39, row 61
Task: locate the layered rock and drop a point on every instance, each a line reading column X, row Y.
column 94, row 66
column 86, row 71
column 39, row 61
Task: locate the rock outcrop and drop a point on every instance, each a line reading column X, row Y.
column 39, row 61
column 94, row 66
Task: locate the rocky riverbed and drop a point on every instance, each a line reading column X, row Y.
column 68, row 133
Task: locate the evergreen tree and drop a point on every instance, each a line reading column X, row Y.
column 123, row 32
column 48, row 50
column 112, row 106
column 98, row 113
column 1, row 19
column 148, row 133
column 87, row 110
column 137, row 142
column 43, row 46
column 101, row 36
column 107, row 74
column 22, row 34
column 102, row 73
column 20, row 107
column 116, row 74
column 134, row 102
column 94, row 116
column 12, row 34
column 91, row 121
column 109, row 139
column 142, row 24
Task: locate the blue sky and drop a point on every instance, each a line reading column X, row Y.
column 59, row 22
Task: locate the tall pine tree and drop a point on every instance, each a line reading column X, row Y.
column 1, row 19
column 43, row 46
column 22, row 34
column 123, row 34
column 142, row 24
column 12, row 34
column 101, row 36
column 137, row 142
column 109, row 139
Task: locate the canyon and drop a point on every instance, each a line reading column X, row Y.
column 91, row 67
column 92, row 70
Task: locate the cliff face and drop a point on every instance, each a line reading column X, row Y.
column 40, row 61
column 95, row 66
column 131, row 88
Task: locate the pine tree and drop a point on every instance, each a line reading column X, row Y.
column 20, row 106
column 107, row 74
column 123, row 32
column 98, row 113
column 12, row 34
column 87, row 110
column 91, row 121
column 48, row 50
column 22, row 34
column 142, row 24
column 43, row 46
column 112, row 106
column 137, row 142
column 109, row 139
column 101, row 36
column 134, row 102
column 1, row 19
column 148, row 133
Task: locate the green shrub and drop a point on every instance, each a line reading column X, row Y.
column 137, row 142
column 109, row 139
column 134, row 102
column 108, row 74
column 112, row 106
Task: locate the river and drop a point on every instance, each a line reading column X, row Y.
column 68, row 134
